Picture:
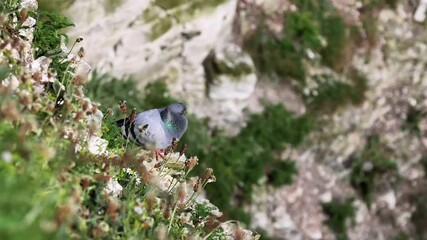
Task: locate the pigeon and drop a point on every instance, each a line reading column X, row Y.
column 155, row 129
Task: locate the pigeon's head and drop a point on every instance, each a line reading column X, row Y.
column 177, row 108
column 173, row 117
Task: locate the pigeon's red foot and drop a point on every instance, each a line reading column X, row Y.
column 159, row 153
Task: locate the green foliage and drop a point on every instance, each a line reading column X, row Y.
column 301, row 29
column 4, row 72
column 370, row 17
column 401, row 236
column 54, row 5
column 424, row 163
column 111, row 133
column 28, row 201
column 331, row 93
column 335, row 33
column 413, row 118
column 284, row 56
column 159, row 27
column 242, row 160
column 282, row 172
column 339, row 213
column 419, row 217
column 369, row 167
column 156, row 94
column 48, row 36
column 109, row 90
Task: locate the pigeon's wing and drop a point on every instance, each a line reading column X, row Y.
column 149, row 130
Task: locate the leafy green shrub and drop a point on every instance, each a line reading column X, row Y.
column 47, row 40
column 331, row 94
column 285, row 54
column 413, row 118
column 53, row 188
column 424, row 163
column 242, row 160
column 281, row 172
column 54, row 5
column 335, row 32
column 282, row 56
column 401, row 236
column 302, row 30
column 339, row 213
column 369, row 167
column 419, row 217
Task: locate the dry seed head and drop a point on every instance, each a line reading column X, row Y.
column 191, row 163
column 108, row 112
column 62, row 213
column 167, row 212
column 102, row 177
column 147, row 223
column 85, row 105
column 208, row 173
column 197, row 184
column 81, row 52
column 132, row 116
column 79, row 39
column 85, row 182
column 112, row 209
column 79, row 115
column 25, row 99
column 174, row 144
column 37, row 76
column 94, row 108
column 123, row 107
column 150, row 199
column 76, row 196
column 10, row 112
column 161, row 232
column 79, row 80
column 24, row 15
column 239, row 234
column 183, row 149
column 182, row 192
column 84, row 213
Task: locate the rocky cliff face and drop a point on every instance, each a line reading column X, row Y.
column 184, row 43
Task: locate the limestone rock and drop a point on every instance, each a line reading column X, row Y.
column 148, row 40
column 230, row 73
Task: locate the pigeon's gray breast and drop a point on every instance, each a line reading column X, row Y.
column 150, row 131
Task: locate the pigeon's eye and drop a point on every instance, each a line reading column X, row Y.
column 142, row 127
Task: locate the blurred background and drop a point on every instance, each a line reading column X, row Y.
column 312, row 113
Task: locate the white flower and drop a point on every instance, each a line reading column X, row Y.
column 138, row 181
column 97, row 145
column 138, row 209
column 113, row 187
column 29, row 4
column 12, row 82
column 6, row 156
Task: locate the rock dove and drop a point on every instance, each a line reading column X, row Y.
column 155, row 129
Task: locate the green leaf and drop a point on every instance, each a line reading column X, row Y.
column 58, row 86
column 4, row 72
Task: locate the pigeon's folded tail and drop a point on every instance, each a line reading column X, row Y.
column 121, row 122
